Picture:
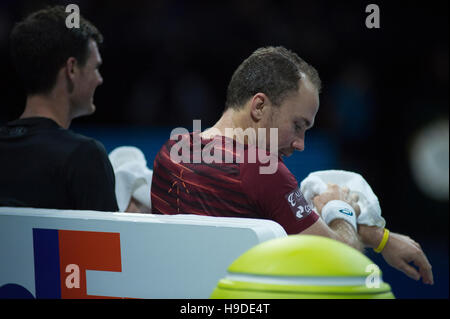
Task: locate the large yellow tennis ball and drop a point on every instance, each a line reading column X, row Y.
column 302, row 266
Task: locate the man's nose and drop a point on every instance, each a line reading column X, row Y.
column 298, row 145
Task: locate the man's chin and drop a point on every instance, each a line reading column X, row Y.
column 85, row 111
column 89, row 109
column 93, row 108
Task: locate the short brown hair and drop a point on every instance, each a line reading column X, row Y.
column 274, row 71
column 42, row 43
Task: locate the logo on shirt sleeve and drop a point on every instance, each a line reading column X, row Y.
column 298, row 203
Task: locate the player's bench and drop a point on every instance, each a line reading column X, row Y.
column 47, row 253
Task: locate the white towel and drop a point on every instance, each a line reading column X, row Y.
column 316, row 183
column 133, row 178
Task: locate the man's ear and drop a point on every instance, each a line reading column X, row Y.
column 258, row 106
column 71, row 65
column 71, row 72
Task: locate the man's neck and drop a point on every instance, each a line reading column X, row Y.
column 232, row 124
column 48, row 106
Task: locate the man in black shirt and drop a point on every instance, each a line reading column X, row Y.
column 42, row 163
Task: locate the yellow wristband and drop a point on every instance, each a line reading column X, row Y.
column 383, row 241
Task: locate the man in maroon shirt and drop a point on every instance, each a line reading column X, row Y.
column 222, row 171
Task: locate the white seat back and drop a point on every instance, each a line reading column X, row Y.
column 78, row 254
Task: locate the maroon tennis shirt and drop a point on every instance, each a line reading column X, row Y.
column 185, row 181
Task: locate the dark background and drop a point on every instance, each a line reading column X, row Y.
column 166, row 63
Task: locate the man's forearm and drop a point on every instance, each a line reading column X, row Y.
column 371, row 236
column 346, row 233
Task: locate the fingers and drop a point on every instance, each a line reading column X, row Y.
column 354, row 197
column 421, row 261
column 401, row 250
column 345, row 191
column 357, row 209
column 318, row 204
column 334, row 191
column 332, row 187
column 416, row 244
column 408, row 270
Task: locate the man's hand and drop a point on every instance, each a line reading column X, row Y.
column 338, row 229
column 334, row 192
column 400, row 250
column 135, row 207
